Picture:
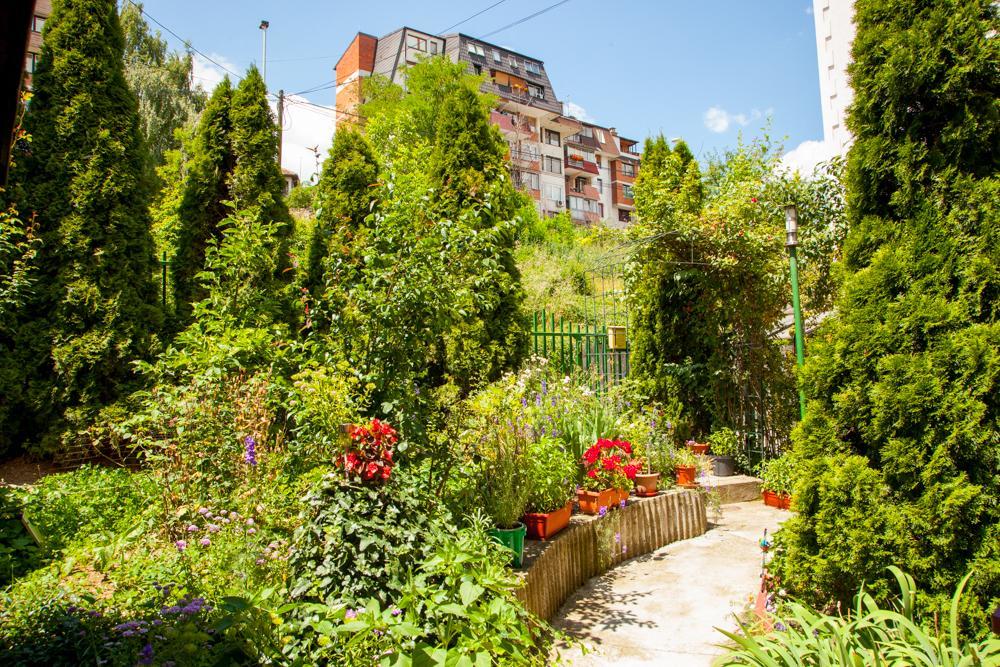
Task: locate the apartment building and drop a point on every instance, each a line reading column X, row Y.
column 834, row 35
column 562, row 162
column 43, row 9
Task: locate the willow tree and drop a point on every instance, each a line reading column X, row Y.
column 95, row 310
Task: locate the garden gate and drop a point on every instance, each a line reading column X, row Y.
column 596, row 341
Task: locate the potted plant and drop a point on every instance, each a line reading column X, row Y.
column 608, row 475
column 505, row 483
column 685, row 467
column 725, row 444
column 657, row 460
column 697, row 447
column 553, row 480
column 777, row 480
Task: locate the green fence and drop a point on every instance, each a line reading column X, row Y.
column 572, row 347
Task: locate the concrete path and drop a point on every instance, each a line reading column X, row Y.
column 662, row 608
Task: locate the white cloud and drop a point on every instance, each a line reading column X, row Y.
column 719, row 120
column 804, row 157
column 574, row 110
column 207, row 75
column 305, row 128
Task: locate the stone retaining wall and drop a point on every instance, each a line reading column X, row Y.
column 590, row 547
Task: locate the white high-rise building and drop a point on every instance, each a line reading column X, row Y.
column 834, row 34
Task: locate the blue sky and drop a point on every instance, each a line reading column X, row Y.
column 703, row 71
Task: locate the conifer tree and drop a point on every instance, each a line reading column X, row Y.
column 96, row 309
column 469, row 170
column 256, row 182
column 344, row 198
column 903, row 385
column 204, row 189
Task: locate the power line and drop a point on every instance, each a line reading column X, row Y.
column 526, row 18
column 187, row 43
column 473, row 16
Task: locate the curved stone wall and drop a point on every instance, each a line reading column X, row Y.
column 591, row 546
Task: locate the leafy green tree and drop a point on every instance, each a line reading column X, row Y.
column 204, row 191
column 96, row 308
column 344, row 198
column 162, row 82
column 906, row 378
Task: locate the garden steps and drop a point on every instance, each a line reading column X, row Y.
column 589, row 546
column 732, row 489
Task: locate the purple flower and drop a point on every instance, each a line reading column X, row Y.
column 192, row 528
column 397, row 612
column 181, row 545
column 204, row 541
column 260, row 561
column 618, row 538
column 780, row 627
column 251, row 531
column 250, row 450
column 250, row 522
column 621, row 504
column 624, row 549
column 350, row 614
column 538, row 399
column 545, row 386
column 203, row 511
column 146, row 655
column 212, row 528
column 602, row 510
column 524, row 402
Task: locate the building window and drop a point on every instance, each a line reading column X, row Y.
column 513, row 62
column 30, row 61
column 497, row 58
column 552, row 138
column 37, row 23
column 478, row 68
column 628, row 169
column 554, row 192
column 418, row 43
column 532, row 67
column 580, row 182
column 598, row 158
column 533, row 181
column 586, row 132
column 553, row 165
column 536, row 91
column 627, row 191
column 600, row 209
column 476, row 50
column 624, row 215
column 600, row 186
column 434, row 48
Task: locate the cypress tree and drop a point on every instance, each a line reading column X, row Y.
column 96, row 309
column 469, row 169
column 205, row 188
column 344, row 198
column 256, row 181
column 904, row 385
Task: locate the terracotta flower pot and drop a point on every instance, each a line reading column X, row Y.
column 685, row 475
column 645, row 484
column 698, row 447
column 782, row 501
column 542, row 526
column 591, row 502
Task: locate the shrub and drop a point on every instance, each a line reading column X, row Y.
column 866, row 635
column 777, row 474
column 361, row 542
column 18, row 551
column 72, row 506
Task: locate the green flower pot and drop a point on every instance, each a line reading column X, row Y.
column 513, row 539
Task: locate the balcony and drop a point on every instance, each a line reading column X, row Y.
column 574, row 166
column 587, row 192
column 523, row 159
column 580, row 140
column 585, row 217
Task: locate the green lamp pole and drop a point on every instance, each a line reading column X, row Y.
column 792, row 243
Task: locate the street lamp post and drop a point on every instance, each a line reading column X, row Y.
column 792, row 243
column 264, row 25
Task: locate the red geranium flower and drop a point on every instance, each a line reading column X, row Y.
column 591, row 473
column 630, row 471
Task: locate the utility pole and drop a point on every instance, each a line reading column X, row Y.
column 281, row 118
column 792, row 243
column 264, row 25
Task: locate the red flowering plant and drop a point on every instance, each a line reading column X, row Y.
column 608, row 465
column 368, row 457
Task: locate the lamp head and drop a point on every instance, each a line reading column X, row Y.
column 264, row 25
column 791, row 226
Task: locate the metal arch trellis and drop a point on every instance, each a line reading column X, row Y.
column 585, row 346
